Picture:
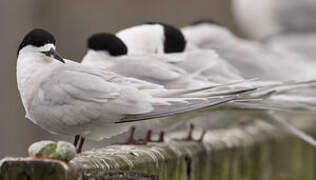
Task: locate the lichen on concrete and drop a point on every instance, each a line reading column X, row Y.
column 60, row 150
column 256, row 152
column 26, row 168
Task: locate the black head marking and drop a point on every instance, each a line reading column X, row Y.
column 38, row 38
column 107, row 42
column 174, row 39
column 204, row 21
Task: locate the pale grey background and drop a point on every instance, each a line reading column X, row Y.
column 72, row 22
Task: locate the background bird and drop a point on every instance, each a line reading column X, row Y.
column 176, row 58
column 251, row 58
column 282, row 24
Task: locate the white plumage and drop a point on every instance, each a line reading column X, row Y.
column 72, row 99
column 206, row 65
column 252, row 59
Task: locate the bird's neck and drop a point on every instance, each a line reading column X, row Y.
column 97, row 59
column 30, row 68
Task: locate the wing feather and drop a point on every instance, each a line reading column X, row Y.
column 177, row 108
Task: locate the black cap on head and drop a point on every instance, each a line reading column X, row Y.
column 204, row 21
column 107, row 42
column 38, row 38
column 174, row 39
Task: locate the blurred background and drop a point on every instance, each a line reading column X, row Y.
column 72, row 22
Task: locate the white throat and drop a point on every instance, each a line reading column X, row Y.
column 31, row 65
column 100, row 59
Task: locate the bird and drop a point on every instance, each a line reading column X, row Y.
column 262, row 19
column 107, row 51
column 67, row 98
column 167, row 39
column 152, row 38
column 251, row 58
column 156, row 33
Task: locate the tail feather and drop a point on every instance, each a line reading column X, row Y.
column 208, row 91
column 286, row 126
column 178, row 108
column 283, row 88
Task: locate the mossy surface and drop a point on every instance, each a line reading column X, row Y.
column 34, row 169
column 243, row 154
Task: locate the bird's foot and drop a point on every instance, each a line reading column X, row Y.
column 190, row 135
column 132, row 141
column 81, row 141
column 149, row 139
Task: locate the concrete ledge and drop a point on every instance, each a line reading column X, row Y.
column 255, row 152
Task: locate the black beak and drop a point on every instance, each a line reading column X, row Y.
column 53, row 53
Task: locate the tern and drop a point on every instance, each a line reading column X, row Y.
column 251, row 58
column 108, row 52
column 68, row 98
column 159, row 29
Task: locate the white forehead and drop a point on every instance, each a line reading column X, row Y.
column 30, row 48
column 142, row 39
column 47, row 47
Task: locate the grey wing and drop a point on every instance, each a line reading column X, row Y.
column 216, row 69
column 115, row 77
column 301, row 43
column 207, row 64
column 82, row 96
column 178, row 108
column 147, row 68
